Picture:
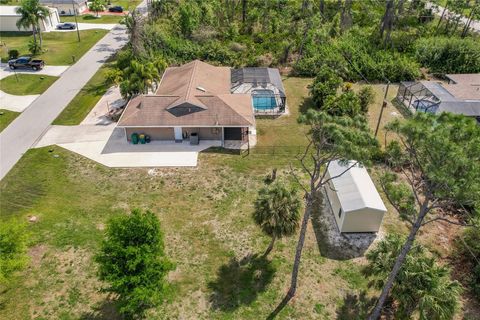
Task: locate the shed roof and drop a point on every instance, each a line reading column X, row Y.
column 258, row 76
column 355, row 188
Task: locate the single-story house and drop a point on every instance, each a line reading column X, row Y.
column 266, row 87
column 355, row 202
column 461, row 95
column 9, row 18
column 191, row 100
column 67, row 7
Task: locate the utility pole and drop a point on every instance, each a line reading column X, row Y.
column 76, row 22
column 384, row 105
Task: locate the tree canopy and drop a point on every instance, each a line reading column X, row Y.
column 421, row 286
column 133, row 263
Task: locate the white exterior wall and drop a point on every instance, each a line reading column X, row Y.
column 363, row 220
column 65, row 9
column 8, row 21
column 360, row 220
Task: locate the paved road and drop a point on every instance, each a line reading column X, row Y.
column 90, row 26
column 22, row 133
column 474, row 25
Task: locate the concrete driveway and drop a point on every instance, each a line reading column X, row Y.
column 89, row 26
column 56, row 71
column 107, row 145
column 16, row 103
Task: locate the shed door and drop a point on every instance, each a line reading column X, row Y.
column 233, row 134
column 178, row 133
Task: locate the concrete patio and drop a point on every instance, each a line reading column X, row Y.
column 107, row 145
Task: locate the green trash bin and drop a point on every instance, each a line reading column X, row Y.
column 134, row 138
column 141, row 137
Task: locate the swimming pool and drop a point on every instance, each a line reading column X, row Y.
column 264, row 100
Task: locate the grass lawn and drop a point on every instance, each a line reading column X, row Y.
column 86, row 99
column 7, row 116
column 26, row 84
column 89, row 18
column 59, row 47
column 209, row 233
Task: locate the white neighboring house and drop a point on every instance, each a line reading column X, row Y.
column 9, row 18
column 66, row 7
column 354, row 200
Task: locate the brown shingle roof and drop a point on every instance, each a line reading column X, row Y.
column 200, row 89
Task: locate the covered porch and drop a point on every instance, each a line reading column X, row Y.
column 225, row 136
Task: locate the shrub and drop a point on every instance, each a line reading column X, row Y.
column 326, row 84
column 132, row 260
column 34, row 47
column 449, row 55
column 13, row 53
column 367, row 97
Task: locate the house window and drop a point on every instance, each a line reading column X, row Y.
column 340, row 213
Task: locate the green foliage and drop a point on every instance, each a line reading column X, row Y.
column 34, row 47
column 31, row 12
column 97, row 6
column 344, row 137
column 400, row 194
column 132, row 260
column 469, row 248
column 13, row 249
column 277, row 210
column 188, row 18
column 367, row 97
column 137, row 75
column 449, row 55
column 446, row 149
column 421, row 286
column 326, row 84
column 346, row 104
column 13, row 53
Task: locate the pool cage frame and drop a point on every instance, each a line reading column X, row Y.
column 251, row 79
column 409, row 92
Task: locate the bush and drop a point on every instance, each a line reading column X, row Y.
column 34, row 47
column 449, row 55
column 13, row 53
column 326, row 84
column 133, row 262
column 367, row 97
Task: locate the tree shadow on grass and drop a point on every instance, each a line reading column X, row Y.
column 306, row 104
column 355, row 306
column 106, row 310
column 239, row 282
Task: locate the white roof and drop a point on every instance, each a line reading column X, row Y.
column 355, row 188
column 12, row 10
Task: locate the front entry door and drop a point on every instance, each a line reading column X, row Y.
column 178, row 134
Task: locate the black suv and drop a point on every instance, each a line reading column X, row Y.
column 115, row 9
column 26, row 63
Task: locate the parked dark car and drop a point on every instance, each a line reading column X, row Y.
column 66, row 26
column 26, row 63
column 115, row 9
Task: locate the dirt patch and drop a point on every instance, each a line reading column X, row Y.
column 36, row 254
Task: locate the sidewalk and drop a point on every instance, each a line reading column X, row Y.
column 27, row 128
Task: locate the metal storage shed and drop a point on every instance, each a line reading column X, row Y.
column 354, row 200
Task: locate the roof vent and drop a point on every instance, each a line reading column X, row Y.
column 201, row 89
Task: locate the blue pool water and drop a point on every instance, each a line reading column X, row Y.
column 264, row 100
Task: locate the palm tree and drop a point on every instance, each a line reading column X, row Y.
column 277, row 211
column 31, row 12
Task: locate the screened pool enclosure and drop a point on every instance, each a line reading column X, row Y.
column 266, row 87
